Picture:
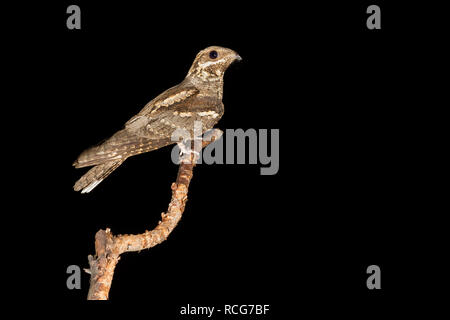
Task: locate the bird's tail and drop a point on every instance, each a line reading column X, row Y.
column 96, row 175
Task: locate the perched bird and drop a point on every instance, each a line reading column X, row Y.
column 197, row 98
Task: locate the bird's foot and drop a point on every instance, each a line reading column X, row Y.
column 186, row 150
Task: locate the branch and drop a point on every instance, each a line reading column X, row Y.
column 108, row 247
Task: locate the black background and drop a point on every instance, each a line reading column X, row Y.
column 346, row 102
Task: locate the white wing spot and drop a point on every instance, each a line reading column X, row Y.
column 173, row 99
column 91, row 186
column 167, row 122
column 212, row 114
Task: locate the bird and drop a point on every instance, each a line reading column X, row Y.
column 197, row 98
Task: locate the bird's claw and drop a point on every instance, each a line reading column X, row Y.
column 186, row 152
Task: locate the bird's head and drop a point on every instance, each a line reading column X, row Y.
column 212, row 62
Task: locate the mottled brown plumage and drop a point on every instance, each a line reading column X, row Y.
column 197, row 98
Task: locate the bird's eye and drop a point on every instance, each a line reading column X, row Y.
column 213, row 54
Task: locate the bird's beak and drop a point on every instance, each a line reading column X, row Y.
column 237, row 57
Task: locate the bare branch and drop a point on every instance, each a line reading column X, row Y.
column 108, row 247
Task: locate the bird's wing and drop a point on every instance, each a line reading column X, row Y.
column 152, row 128
column 206, row 111
column 121, row 145
column 144, row 132
column 161, row 103
column 160, row 119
